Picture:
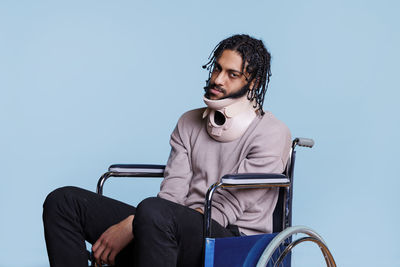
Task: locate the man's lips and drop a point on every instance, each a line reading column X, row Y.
column 215, row 90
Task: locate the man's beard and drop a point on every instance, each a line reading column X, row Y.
column 237, row 94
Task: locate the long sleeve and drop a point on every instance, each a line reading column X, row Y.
column 178, row 171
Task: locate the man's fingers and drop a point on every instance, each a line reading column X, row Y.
column 97, row 244
column 199, row 210
column 111, row 257
column 105, row 256
column 112, row 241
column 98, row 252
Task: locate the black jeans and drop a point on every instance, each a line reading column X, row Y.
column 165, row 233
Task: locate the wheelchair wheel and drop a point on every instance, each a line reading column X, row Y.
column 281, row 246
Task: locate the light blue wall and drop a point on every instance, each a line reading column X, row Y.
column 88, row 83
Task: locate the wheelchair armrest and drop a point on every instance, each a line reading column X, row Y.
column 137, row 168
column 130, row 170
column 261, row 179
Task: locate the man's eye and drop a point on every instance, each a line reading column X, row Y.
column 234, row 75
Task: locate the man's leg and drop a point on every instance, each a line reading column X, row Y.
column 72, row 215
column 169, row 234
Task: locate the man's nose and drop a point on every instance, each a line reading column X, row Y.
column 220, row 79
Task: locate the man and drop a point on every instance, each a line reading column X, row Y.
column 232, row 135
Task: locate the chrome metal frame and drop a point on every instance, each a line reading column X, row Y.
column 285, row 237
column 330, row 262
column 109, row 174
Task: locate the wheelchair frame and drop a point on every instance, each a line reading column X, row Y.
column 282, row 212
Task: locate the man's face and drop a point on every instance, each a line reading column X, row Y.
column 227, row 79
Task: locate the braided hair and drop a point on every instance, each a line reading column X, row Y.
column 258, row 59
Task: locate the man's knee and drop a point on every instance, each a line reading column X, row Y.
column 153, row 211
column 58, row 198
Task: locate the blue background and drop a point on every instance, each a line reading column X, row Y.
column 85, row 84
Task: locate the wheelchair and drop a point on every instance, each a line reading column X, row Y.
column 257, row 250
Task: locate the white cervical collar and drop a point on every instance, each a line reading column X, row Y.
column 238, row 114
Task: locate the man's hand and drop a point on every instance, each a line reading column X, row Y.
column 199, row 210
column 112, row 241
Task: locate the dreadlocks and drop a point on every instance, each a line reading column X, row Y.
column 258, row 59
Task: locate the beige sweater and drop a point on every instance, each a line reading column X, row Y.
column 197, row 161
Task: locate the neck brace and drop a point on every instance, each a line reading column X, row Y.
column 234, row 116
